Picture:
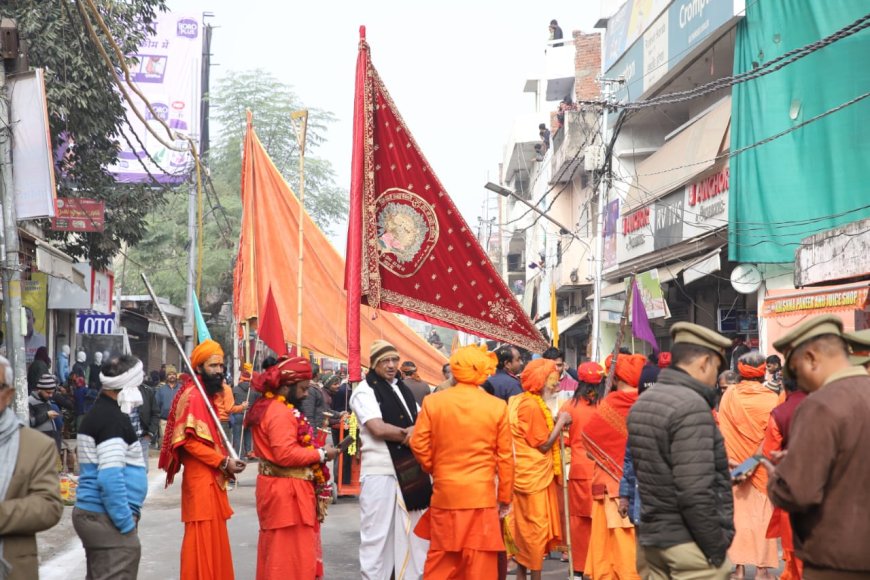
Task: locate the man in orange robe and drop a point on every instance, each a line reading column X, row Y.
column 612, row 548
column 581, row 408
column 536, row 527
column 293, row 485
column 743, row 417
column 192, row 440
column 462, row 438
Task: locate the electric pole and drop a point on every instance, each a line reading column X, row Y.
column 603, row 193
column 11, row 269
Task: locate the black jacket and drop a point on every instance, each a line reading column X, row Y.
column 681, row 466
column 149, row 413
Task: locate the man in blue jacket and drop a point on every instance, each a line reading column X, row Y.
column 112, row 481
column 505, row 383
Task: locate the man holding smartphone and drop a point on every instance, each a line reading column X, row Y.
column 822, row 479
column 686, row 523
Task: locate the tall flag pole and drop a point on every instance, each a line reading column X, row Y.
column 301, row 131
column 409, row 249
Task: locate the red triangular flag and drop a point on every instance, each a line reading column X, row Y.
column 269, row 326
column 412, row 249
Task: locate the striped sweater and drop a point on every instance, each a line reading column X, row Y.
column 112, row 476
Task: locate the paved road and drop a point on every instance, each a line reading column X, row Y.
column 161, row 531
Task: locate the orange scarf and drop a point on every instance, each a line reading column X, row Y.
column 606, row 433
column 743, row 416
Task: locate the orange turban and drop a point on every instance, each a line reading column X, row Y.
column 535, row 374
column 204, row 351
column 750, row 372
column 287, row 371
column 628, row 367
column 472, row 365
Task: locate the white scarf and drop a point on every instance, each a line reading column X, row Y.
column 128, row 383
column 10, row 429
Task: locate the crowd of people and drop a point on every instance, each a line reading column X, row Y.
column 662, row 466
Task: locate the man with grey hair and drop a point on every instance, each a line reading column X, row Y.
column 727, row 379
column 29, row 487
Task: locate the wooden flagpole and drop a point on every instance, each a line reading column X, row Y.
column 301, row 132
column 620, row 335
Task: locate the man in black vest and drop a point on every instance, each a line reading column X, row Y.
column 394, row 490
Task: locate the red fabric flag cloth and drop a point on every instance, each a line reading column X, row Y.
column 269, row 326
column 417, row 255
column 606, row 433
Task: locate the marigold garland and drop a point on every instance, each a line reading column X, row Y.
column 304, row 435
column 557, row 456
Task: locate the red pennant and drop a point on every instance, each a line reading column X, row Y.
column 269, row 326
column 415, row 253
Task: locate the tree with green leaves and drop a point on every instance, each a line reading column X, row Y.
column 163, row 251
column 86, row 112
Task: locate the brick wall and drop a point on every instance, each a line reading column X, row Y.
column 587, row 65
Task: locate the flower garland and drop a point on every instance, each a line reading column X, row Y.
column 305, row 437
column 352, row 430
column 557, row 456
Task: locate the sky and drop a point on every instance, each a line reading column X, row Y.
column 455, row 70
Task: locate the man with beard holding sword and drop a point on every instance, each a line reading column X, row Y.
column 193, row 440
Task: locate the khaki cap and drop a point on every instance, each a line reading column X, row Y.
column 688, row 333
column 818, row 326
column 859, row 342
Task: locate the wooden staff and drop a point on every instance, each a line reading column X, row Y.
column 224, row 439
column 567, row 507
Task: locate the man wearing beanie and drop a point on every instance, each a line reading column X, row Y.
column 462, row 525
column 386, row 412
column 165, row 395
column 681, row 464
column 113, row 480
column 42, row 413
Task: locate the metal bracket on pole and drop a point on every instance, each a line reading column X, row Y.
column 224, row 439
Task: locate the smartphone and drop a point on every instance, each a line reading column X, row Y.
column 746, row 467
column 345, row 443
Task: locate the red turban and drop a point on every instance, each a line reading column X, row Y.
column 664, row 360
column 286, row 371
column 628, row 367
column 590, row 372
column 472, row 365
column 750, row 372
column 535, row 374
column 204, row 351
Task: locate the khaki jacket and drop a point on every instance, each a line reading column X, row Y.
column 32, row 503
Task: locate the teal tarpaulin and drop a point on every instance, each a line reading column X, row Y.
column 818, row 176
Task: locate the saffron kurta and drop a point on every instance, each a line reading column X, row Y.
column 462, row 438
column 536, row 523
column 579, row 481
column 289, row 545
column 743, row 417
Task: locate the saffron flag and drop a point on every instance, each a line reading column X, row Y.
column 269, row 326
column 267, row 259
column 409, row 249
column 640, row 327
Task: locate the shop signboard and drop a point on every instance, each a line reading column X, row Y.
column 75, row 214
column 668, row 223
column 651, row 294
column 34, row 301
column 851, row 298
column 667, row 42
column 706, row 204
column 634, row 235
column 95, row 323
column 629, row 22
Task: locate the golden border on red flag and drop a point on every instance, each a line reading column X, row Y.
column 418, row 256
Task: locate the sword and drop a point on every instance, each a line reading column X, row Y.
column 226, row 442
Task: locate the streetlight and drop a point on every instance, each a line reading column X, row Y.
column 596, row 314
column 505, row 192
